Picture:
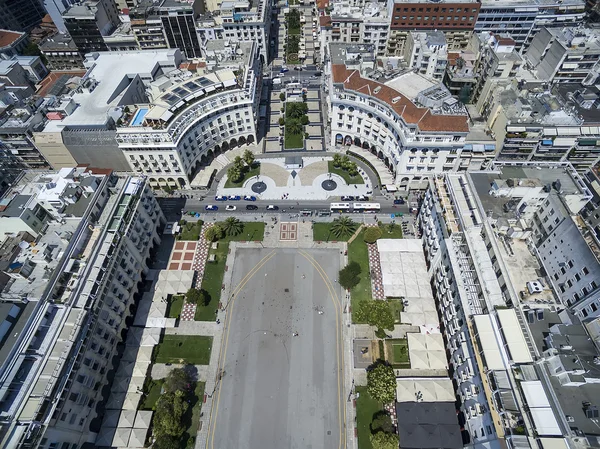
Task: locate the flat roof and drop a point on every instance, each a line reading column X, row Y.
column 488, row 342
column 539, row 407
column 513, row 335
column 423, row 389
column 428, row 425
column 427, row 351
column 411, row 84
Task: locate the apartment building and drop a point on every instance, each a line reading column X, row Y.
column 542, row 125
column 522, row 19
column 500, row 310
column 17, row 125
column 409, row 122
column 89, row 22
column 238, row 21
column 12, row 43
column 21, row 16
column 427, row 53
column 83, row 128
column 75, row 247
column 193, row 118
column 565, row 55
column 61, row 53
column 456, row 19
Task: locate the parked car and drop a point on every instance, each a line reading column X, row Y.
column 363, row 198
column 230, row 207
column 234, row 197
column 251, row 207
column 284, row 69
column 348, row 198
column 249, row 198
column 211, row 207
column 398, row 201
column 220, row 198
column 272, row 207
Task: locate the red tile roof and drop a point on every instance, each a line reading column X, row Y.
column 412, row 114
column 322, row 4
column 8, row 37
column 325, row 21
column 46, row 84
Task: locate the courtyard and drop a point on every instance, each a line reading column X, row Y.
column 278, row 389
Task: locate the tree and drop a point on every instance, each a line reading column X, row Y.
column 294, row 126
column 281, row 121
column 282, row 96
column 343, row 227
column 166, row 442
column 345, row 162
column 382, row 423
column 337, row 160
column 234, row 173
column 372, row 234
column 238, row 162
column 381, row 383
column 232, row 226
column 348, row 275
column 304, row 120
column 168, row 419
column 213, row 233
column 196, row 296
column 248, row 157
column 375, row 313
column 383, row 440
column 178, row 380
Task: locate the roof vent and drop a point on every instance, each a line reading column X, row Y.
column 396, row 99
column 377, row 90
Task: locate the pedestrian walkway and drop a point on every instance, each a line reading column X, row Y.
column 188, row 311
column 376, row 275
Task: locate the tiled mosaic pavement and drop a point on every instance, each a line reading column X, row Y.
column 197, row 263
column 288, row 231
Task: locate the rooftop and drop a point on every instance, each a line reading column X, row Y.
column 428, row 425
column 8, row 38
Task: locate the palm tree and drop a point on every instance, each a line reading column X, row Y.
column 238, row 162
column 343, row 227
column 232, row 226
column 213, row 233
column 294, row 127
column 248, row 157
column 234, row 173
column 337, row 160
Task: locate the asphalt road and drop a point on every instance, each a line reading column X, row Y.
column 281, row 391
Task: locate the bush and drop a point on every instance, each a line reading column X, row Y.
column 304, row 120
column 372, row 234
column 349, row 275
column 213, row 233
column 198, row 297
column 282, row 96
column 281, row 121
column 382, row 422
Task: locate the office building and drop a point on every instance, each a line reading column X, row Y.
column 83, row 127
column 89, row 22
column 21, row 15
column 61, row 53
column 56, row 9
column 75, row 248
column 192, row 118
column 427, row 53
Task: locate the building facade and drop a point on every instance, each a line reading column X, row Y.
column 89, row 22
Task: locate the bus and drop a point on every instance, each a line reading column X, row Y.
column 339, row 207
column 366, row 207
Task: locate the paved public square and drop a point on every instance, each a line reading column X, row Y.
column 278, row 390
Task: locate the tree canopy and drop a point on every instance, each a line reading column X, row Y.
column 196, row 296
column 375, row 313
column 343, row 227
column 232, row 226
column 384, row 440
column 372, row 234
column 178, row 380
column 349, row 275
column 381, row 383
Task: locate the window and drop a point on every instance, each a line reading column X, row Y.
column 585, row 270
column 594, row 307
column 570, row 263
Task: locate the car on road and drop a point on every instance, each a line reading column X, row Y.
column 318, row 73
column 363, row 198
column 251, row 207
column 348, row 198
column 234, row 197
column 398, row 201
column 272, row 207
column 284, row 69
column 211, row 207
column 220, row 198
column 249, row 198
column 230, row 207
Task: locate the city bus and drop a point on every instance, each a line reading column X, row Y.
column 339, row 207
column 366, row 207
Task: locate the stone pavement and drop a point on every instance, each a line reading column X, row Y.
column 375, row 269
column 189, row 310
column 161, row 370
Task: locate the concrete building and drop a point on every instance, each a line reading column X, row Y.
column 89, row 22
column 190, row 119
column 499, row 305
column 13, row 74
column 238, row 21
column 456, row 19
column 67, row 292
column 565, row 55
column 61, row 52
column 33, row 65
column 83, row 129
column 12, row 43
column 56, row 9
column 22, row 15
column 409, row 122
column 427, row 53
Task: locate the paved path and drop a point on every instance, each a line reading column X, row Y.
column 189, row 310
column 160, row 370
column 376, row 275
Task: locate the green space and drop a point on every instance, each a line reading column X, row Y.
column 293, row 140
column 152, row 391
column 322, row 233
column 366, row 408
column 196, row 408
column 293, row 24
column 358, row 252
column 188, row 349
column 212, row 280
column 174, row 306
column 345, row 174
column 190, row 230
column 251, row 172
column 397, row 350
column 391, row 231
column 396, row 307
column 295, row 119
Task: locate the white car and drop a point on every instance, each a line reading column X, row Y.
column 230, row 207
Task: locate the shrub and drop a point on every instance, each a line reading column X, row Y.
column 372, row 234
column 281, row 121
column 282, row 96
column 349, row 275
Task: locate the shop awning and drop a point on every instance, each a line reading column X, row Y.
column 391, row 188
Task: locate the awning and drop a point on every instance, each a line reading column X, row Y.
column 515, row 129
column 549, row 131
column 391, row 188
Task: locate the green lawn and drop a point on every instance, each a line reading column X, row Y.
column 358, row 252
column 344, row 174
column 398, row 348
column 366, row 407
column 152, row 394
column 190, row 231
column 174, row 307
column 192, row 349
column 396, row 306
column 393, row 232
column 321, row 233
column 253, row 171
column 212, row 280
column 292, row 141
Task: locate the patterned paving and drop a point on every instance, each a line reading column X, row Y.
column 288, row 231
column 197, row 262
column 182, row 256
column 375, row 268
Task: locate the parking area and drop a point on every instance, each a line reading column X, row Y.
column 281, row 364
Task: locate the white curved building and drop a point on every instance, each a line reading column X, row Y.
column 414, row 142
column 193, row 120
